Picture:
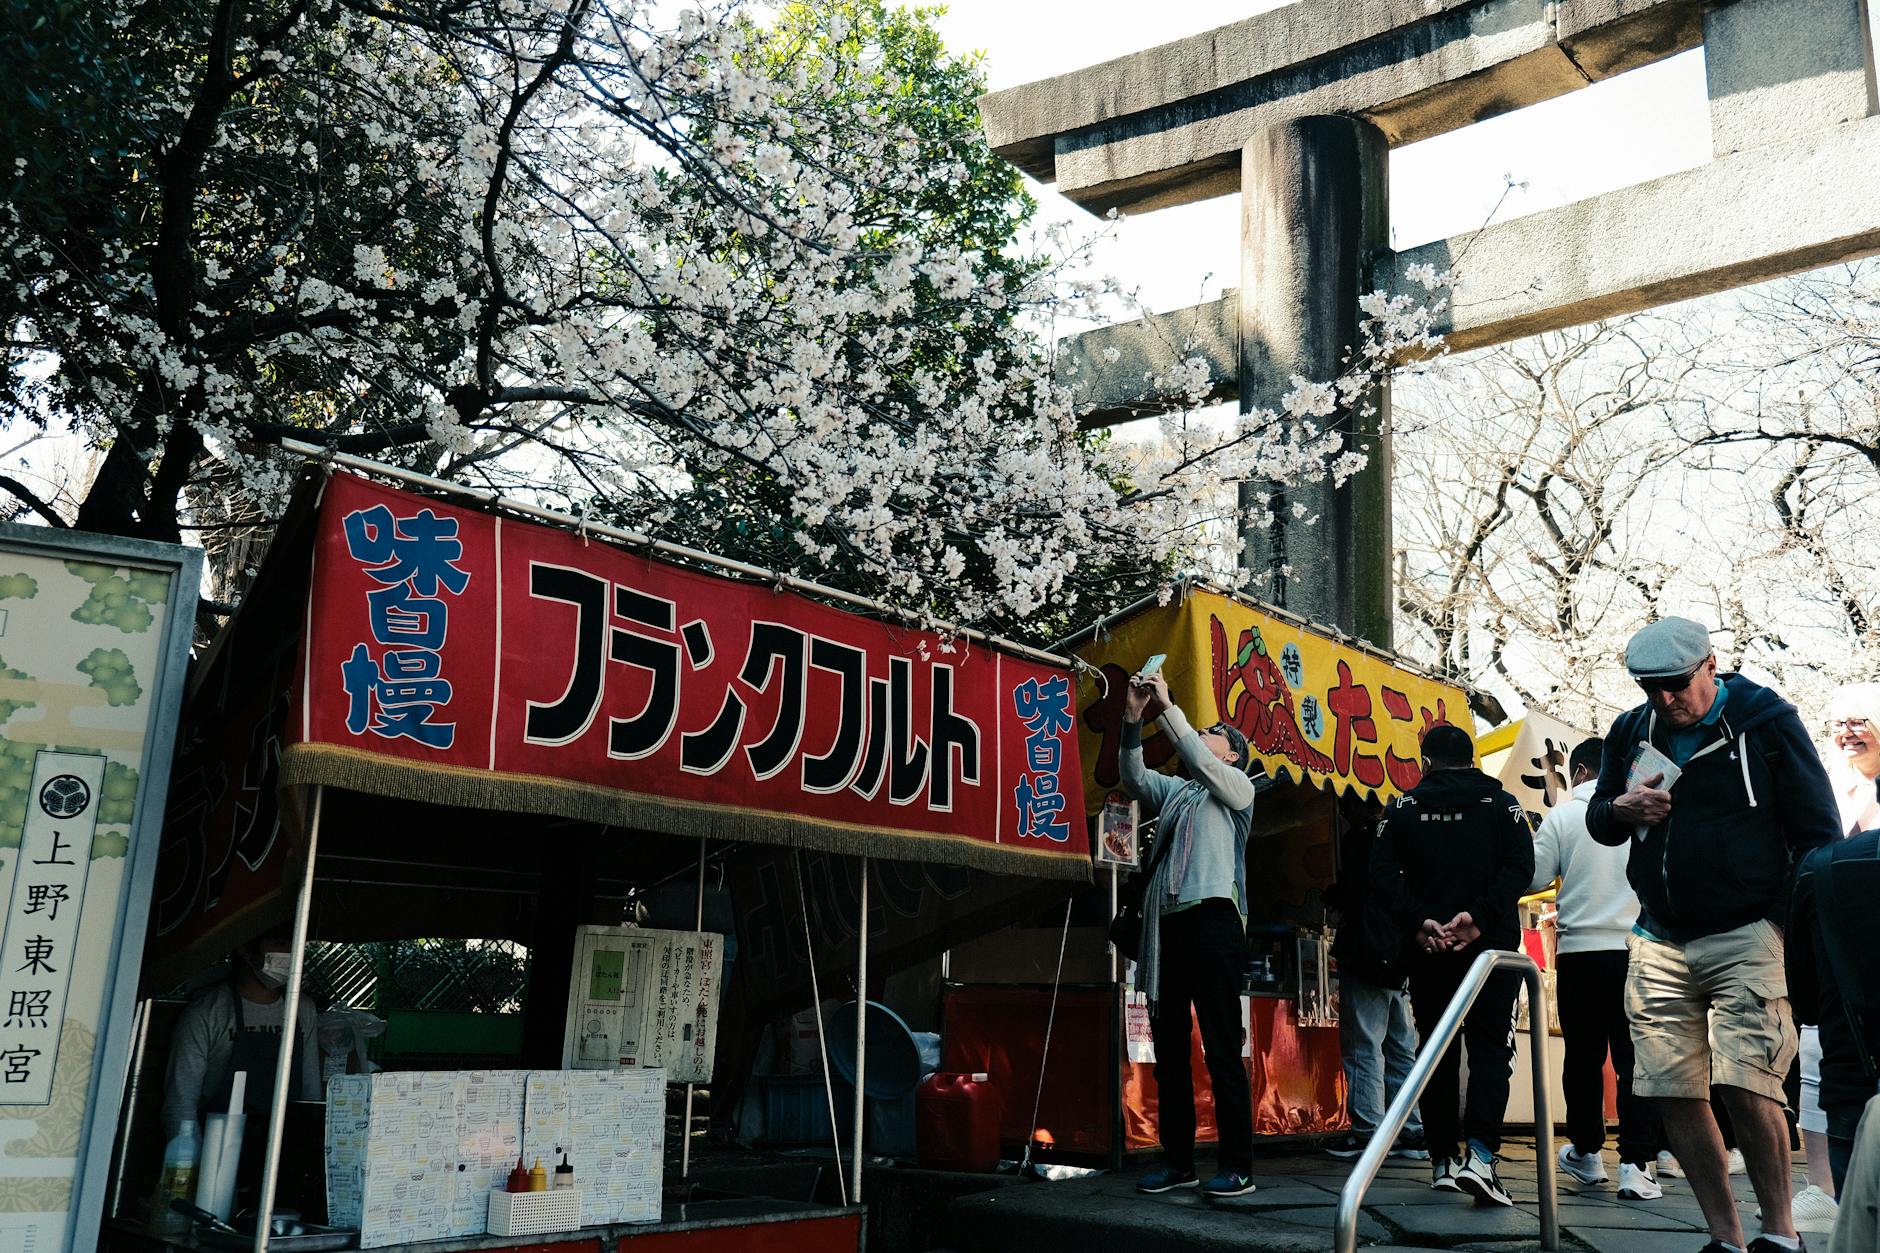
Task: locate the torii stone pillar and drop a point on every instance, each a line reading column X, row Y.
column 1314, row 214
column 1795, row 128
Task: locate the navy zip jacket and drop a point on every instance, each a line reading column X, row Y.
column 1455, row 842
column 1815, row 978
column 1749, row 805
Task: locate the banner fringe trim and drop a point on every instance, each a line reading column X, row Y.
column 357, row 770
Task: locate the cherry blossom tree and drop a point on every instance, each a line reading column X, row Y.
column 669, row 268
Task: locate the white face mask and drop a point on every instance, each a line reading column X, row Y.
column 273, row 969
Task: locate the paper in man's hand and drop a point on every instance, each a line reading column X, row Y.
column 1647, row 762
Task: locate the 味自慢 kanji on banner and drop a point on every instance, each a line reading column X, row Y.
column 465, row 658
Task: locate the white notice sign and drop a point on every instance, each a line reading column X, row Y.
column 644, row 998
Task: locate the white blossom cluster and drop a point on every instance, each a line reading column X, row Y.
column 590, row 251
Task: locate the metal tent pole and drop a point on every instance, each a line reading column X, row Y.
column 140, row 1033
column 685, row 1131
column 1116, row 971
column 290, row 1052
column 861, row 1037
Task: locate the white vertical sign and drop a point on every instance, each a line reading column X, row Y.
column 641, row 997
column 39, row 946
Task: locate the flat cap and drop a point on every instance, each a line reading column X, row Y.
column 1669, row 646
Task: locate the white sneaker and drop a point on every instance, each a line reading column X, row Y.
column 1477, row 1176
column 1736, row 1162
column 1443, row 1175
column 1637, row 1183
column 1668, row 1165
column 1586, row 1167
column 1814, row 1210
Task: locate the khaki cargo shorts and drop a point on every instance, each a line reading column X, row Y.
column 1715, row 1010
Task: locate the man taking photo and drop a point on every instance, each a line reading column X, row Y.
column 1714, row 784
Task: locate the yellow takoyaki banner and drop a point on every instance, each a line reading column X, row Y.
column 1311, row 708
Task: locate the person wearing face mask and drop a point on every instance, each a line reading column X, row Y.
column 235, row 1025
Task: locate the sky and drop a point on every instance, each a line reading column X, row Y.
column 1626, row 130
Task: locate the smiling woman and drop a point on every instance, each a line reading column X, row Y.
column 1854, row 754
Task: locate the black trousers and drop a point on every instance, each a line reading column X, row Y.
column 1591, row 991
column 1204, row 953
column 1488, row 1034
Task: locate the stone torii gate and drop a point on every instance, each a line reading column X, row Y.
column 1296, row 109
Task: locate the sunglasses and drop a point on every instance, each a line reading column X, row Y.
column 1670, row 683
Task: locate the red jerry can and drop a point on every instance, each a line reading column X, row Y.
column 956, row 1122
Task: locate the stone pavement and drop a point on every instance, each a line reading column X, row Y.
column 1294, row 1207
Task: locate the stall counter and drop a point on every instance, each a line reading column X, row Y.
column 742, row 1225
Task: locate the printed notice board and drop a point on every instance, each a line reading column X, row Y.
column 644, row 998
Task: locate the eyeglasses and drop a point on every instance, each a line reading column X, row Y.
column 1670, row 683
column 1848, row 726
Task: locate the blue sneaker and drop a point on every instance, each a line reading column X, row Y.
column 1163, row 1179
column 1228, row 1183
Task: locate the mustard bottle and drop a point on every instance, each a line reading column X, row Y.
column 538, row 1178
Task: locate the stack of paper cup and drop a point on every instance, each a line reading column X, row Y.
column 222, row 1152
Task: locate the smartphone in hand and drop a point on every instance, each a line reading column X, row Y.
column 1150, row 666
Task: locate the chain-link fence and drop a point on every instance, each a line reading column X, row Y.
column 464, row 976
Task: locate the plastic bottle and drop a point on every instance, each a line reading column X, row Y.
column 518, row 1178
column 178, row 1180
column 538, row 1178
column 564, row 1173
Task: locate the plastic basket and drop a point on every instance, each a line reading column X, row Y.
column 796, row 1109
column 534, row 1213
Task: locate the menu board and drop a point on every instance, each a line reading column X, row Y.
column 641, row 997
column 489, row 1139
column 612, row 1126
column 413, row 1156
column 399, row 1173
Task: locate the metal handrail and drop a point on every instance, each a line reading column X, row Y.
column 1365, row 1172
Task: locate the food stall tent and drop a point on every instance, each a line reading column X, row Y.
column 436, row 716
column 1334, row 724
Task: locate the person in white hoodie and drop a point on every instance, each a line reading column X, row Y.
column 1596, row 910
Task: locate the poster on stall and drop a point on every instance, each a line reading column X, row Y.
column 643, row 998
column 1117, row 835
column 94, row 639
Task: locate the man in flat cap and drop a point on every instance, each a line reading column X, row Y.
column 1715, row 785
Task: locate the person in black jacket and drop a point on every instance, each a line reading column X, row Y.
column 1834, row 980
column 1376, row 1040
column 1453, row 857
column 1714, row 849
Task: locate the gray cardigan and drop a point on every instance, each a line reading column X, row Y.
column 1209, row 815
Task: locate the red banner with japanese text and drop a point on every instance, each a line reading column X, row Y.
column 1313, row 708
column 471, row 659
